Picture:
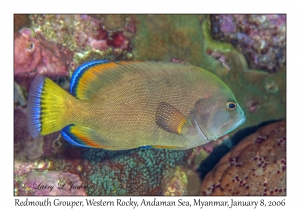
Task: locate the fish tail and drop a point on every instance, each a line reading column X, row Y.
column 46, row 107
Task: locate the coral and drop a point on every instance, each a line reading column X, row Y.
column 22, row 167
column 163, row 37
column 52, row 143
column 271, row 86
column 202, row 152
column 49, row 183
column 261, row 38
column 112, row 22
column 85, row 56
column 132, row 172
column 177, row 184
column 82, row 33
column 256, row 166
column 21, row 170
column 72, row 31
column 19, row 97
column 110, row 54
column 220, row 57
column 180, row 181
column 253, row 104
column 36, row 55
column 25, row 146
column 27, row 55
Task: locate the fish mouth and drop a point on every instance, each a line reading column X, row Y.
column 237, row 125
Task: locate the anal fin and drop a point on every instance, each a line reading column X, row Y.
column 84, row 137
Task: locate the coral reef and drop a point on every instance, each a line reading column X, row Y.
column 81, row 33
column 256, row 166
column 261, row 38
column 132, row 172
column 76, row 32
column 25, row 147
column 37, row 56
column 49, row 44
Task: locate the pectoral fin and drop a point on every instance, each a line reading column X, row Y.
column 170, row 119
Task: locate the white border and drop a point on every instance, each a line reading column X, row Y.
column 8, row 8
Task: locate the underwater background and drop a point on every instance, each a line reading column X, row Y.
column 248, row 52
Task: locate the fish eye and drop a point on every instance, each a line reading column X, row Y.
column 30, row 46
column 231, row 105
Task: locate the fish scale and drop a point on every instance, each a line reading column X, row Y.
column 127, row 105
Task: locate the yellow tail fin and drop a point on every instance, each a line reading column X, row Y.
column 46, row 107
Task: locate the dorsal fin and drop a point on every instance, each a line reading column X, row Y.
column 94, row 75
column 80, row 78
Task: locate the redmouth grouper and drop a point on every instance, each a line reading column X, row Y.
column 125, row 105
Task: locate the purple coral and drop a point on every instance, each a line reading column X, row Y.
column 27, row 54
column 25, row 146
column 36, row 55
column 261, row 38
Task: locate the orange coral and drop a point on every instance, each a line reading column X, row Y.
column 256, row 166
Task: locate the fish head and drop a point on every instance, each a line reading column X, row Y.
column 217, row 115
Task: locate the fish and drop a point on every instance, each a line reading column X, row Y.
column 123, row 105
